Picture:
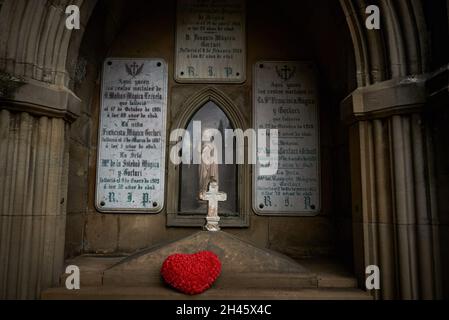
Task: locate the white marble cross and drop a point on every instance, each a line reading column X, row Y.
column 213, row 196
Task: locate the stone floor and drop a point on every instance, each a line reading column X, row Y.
column 142, row 293
column 248, row 273
column 334, row 283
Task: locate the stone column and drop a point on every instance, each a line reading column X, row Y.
column 34, row 131
column 393, row 213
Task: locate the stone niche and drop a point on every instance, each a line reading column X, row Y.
column 275, row 31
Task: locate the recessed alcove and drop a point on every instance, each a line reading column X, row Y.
column 274, row 32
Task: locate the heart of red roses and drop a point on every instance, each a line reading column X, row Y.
column 191, row 273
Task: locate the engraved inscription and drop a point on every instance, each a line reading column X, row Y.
column 131, row 151
column 210, row 41
column 285, row 98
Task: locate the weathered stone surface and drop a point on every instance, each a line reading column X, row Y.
column 91, row 269
column 334, row 281
column 299, row 238
column 80, row 130
column 33, row 189
column 59, row 102
column 78, row 189
column 385, row 98
column 161, row 293
column 74, row 234
column 139, row 231
column 257, row 234
column 101, row 233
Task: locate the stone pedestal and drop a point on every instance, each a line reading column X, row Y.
column 212, row 224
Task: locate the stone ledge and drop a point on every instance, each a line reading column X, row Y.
column 162, row 293
column 330, row 273
column 397, row 96
column 335, row 281
column 42, row 99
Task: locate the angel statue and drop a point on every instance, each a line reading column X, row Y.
column 208, row 169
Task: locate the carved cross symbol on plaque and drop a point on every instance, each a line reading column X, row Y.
column 213, row 196
column 134, row 70
column 286, row 73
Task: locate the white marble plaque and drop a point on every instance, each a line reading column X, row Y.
column 286, row 98
column 132, row 133
column 211, row 41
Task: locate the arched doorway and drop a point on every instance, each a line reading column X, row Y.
column 210, row 116
column 65, row 65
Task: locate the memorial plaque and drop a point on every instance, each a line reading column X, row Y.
column 132, row 133
column 285, row 98
column 211, row 41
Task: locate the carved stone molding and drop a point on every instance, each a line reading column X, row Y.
column 385, row 99
column 40, row 99
column 398, row 96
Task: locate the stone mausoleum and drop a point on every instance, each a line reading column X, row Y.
column 88, row 120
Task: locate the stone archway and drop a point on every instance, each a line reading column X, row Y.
column 393, row 215
column 387, row 144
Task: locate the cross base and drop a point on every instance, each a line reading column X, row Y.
column 212, row 224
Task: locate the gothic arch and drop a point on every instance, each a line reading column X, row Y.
column 187, row 110
column 36, row 46
column 199, row 99
column 398, row 50
column 35, row 43
column 48, row 53
column 387, row 140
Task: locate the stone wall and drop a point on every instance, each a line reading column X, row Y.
column 274, row 32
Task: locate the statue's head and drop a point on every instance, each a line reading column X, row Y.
column 208, row 135
column 213, row 184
